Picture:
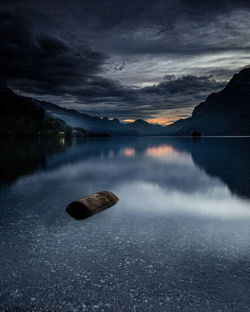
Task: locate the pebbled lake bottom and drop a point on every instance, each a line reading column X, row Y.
column 177, row 240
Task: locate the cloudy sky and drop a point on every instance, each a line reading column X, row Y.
column 150, row 59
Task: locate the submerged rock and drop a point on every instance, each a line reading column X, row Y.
column 87, row 206
column 196, row 133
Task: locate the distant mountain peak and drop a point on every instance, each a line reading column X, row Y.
column 241, row 81
column 141, row 121
column 116, row 120
column 4, row 89
column 224, row 113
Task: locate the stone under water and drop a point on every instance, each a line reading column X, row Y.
column 87, row 206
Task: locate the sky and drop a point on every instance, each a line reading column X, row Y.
column 128, row 59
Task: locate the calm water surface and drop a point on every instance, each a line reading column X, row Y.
column 178, row 239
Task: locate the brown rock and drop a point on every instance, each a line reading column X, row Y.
column 87, row 206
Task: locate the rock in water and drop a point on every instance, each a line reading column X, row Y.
column 87, row 206
column 196, row 133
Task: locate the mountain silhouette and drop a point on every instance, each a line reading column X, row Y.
column 224, row 113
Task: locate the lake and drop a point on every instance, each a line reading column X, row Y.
column 177, row 240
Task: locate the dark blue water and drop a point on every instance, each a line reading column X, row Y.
column 178, row 239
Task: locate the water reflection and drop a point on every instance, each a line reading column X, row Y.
column 160, row 151
column 224, row 158
column 177, row 240
column 19, row 157
column 129, row 151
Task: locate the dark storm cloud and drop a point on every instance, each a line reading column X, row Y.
column 61, row 49
column 144, row 26
column 42, row 62
column 214, row 6
column 106, row 97
column 160, row 27
column 110, row 13
column 188, row 85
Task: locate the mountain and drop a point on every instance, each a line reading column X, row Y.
column 12, row 105
column 224, row 113
column 95, row 124
column 22, row 115
column 144, row 128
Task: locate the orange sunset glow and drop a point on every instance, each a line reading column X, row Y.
column 128, row 120
column 160, row 121
column 156, row 121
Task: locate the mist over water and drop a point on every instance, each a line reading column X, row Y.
column 177, row 240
